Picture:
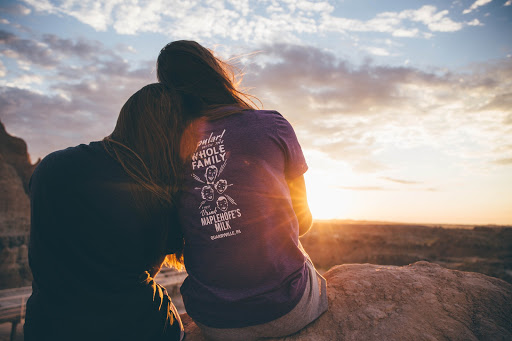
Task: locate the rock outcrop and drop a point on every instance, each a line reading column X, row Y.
column 14, row 151
column 15, row 172
column 14, row 201
column 422, row 301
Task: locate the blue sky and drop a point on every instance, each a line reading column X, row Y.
column 403, row 108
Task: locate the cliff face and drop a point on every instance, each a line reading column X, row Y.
column 15, row 172
column 14, row 201
column 422, row 301
column 14, row 151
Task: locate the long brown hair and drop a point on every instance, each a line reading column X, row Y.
column 146, row 143
column 205, row 83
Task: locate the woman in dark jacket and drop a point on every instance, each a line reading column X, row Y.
column 103, row 221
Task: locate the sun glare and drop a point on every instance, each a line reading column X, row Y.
column 325, row 201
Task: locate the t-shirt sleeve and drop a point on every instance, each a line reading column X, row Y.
column 295, row 163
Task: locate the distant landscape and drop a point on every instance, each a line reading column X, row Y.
column 484, row 249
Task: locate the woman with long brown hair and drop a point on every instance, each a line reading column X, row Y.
column 242, row 205
column 103, row 221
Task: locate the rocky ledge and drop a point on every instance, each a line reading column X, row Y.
column 421, row 301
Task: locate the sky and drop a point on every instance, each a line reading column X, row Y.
column 403, row 108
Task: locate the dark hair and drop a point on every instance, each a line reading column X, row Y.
column 204, row 82
column 146, row 143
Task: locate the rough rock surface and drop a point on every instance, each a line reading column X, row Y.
column 422, row 301
column 15, row 172
column 14, row 151
column 14, row 201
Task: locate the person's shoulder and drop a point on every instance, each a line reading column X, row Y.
column 266, row 113
column 269, row 116
column 62, row 157
column 60, row 162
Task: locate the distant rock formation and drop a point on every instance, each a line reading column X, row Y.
column 15, row 172
column 14, row 202
column 14, row 151
column 422, row 301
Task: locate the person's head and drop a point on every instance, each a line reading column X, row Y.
column 146, row 138
column 145, row 141
column 204, row 81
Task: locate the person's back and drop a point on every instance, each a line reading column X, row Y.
column 93, row 253
column 241, row 252
column 243, row 205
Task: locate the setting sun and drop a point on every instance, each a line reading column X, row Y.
column 326, row 201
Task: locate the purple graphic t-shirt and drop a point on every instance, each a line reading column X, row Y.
column 241, row 233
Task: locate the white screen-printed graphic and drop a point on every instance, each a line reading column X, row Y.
column 217, row 208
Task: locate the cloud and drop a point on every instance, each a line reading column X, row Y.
column 363, row 188
column 255, row 22
column 318, row 80
column 97, row 14
column 377, row 51
column 475, row 5
column 49, row 51
column 394, row 22
column 353, row 113
column 406, row 33
column 15, row 9
column 500, row 102
column 67, row 84
column 400, row 181
column 508, row 119
column 474, row 22
column 508, row 3
column 504, row 162
column 379, row 188
column 81, row 48
column 350, row 113
column 435, row 21
column 56, row 120
column 28, row 50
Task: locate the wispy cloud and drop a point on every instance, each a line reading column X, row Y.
column 505, row 161
column 377, row 51
column 88, row 92
column 3, row 70
column 501, row 101
column 400, row 181
column 363, row 188
column 26, row 50
column 352, row 112
column 474, row 22
column 16, row 9
column 255, row 22
column 475, row 5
